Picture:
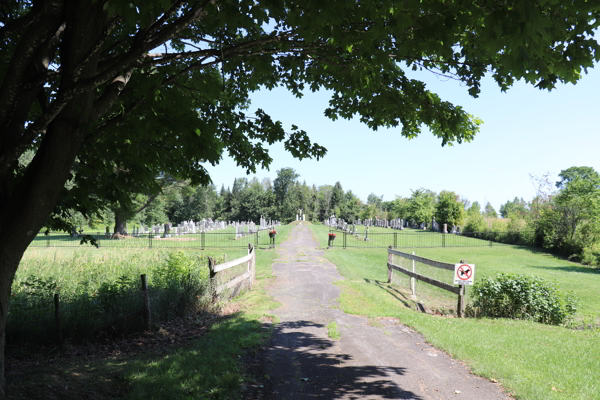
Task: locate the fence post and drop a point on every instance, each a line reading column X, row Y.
column 202, row 240
column 443, row 240
column 254, row 264
column 150, row 240
column 146, row 309
column 255, row 239
column 412, row 280
column 57, row 318
column 390, row 261
column 460, row 309
column 344, row 239
column 213, row 274
column 395, row 240
column 250, row 264
column 48, row 241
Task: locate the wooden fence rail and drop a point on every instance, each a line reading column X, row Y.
column 248, row 276
column 459, row 289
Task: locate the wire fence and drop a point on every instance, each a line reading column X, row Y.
column 201, row 240
column 366, row 239
column 123, row 306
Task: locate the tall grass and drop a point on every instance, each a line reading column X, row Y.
column 97, row 287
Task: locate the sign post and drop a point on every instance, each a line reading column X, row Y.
column 464, row 274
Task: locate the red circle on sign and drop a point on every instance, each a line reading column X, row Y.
column 464, row 272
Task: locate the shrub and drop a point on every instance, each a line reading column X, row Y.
column 522, row 297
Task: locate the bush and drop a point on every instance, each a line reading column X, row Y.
column 522, row 297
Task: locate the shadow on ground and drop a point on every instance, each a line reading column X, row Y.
column 301, row 365
column 570, row 268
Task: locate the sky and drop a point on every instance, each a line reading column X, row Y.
column 525, row 132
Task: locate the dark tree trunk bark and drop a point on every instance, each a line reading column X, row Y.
column 24, row 210
column 120, row 222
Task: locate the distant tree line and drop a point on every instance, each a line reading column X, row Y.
column 564, row 215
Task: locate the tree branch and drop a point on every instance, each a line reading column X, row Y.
column 105, row 102
column 20, row 23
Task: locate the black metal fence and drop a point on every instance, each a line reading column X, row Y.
column 200, row 241
column 399, row 239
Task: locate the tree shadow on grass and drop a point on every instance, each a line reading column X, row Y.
column 569, row 268
column 302, row 365
column 392, row 291
column 186, row 359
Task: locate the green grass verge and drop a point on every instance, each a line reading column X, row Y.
column 211, row 368
column 533, row 361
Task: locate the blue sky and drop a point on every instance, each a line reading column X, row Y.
column 525, row 131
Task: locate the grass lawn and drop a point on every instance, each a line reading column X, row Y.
column 376, row 237
column 533, row 361
column 225, row 238
column 360, row 264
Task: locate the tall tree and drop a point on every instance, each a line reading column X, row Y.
column 570, row 223
column 421, row 205
column 285, row 181
column 337, row 197
column 87, row 86
column 375, row 200
column 489, row 210
column 516, row 208
column 449, row 209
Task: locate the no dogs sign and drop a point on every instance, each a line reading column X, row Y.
column 464, row 274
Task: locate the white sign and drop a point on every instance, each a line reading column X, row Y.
column 464, row 274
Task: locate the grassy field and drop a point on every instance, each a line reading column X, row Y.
column 225, row 238
column 375, row 237
column 209, row 367
column 531, row 360
column 584, row 281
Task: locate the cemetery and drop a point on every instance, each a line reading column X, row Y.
column 187, row 234
column 127, row 273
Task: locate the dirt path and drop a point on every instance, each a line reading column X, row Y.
column 389, row 362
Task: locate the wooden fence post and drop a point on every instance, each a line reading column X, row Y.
column 213, row 274
column 253, row 264
column 412, row 279
column 146, row 310
column 460, row 308
column 390, row 261
column 211, row 267
column 250, row 251
column 57, row 318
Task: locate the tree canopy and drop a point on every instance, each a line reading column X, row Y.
column 449, row 209
column 110, row 94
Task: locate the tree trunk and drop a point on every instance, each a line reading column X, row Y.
column 26, row 207
column 120, row 222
